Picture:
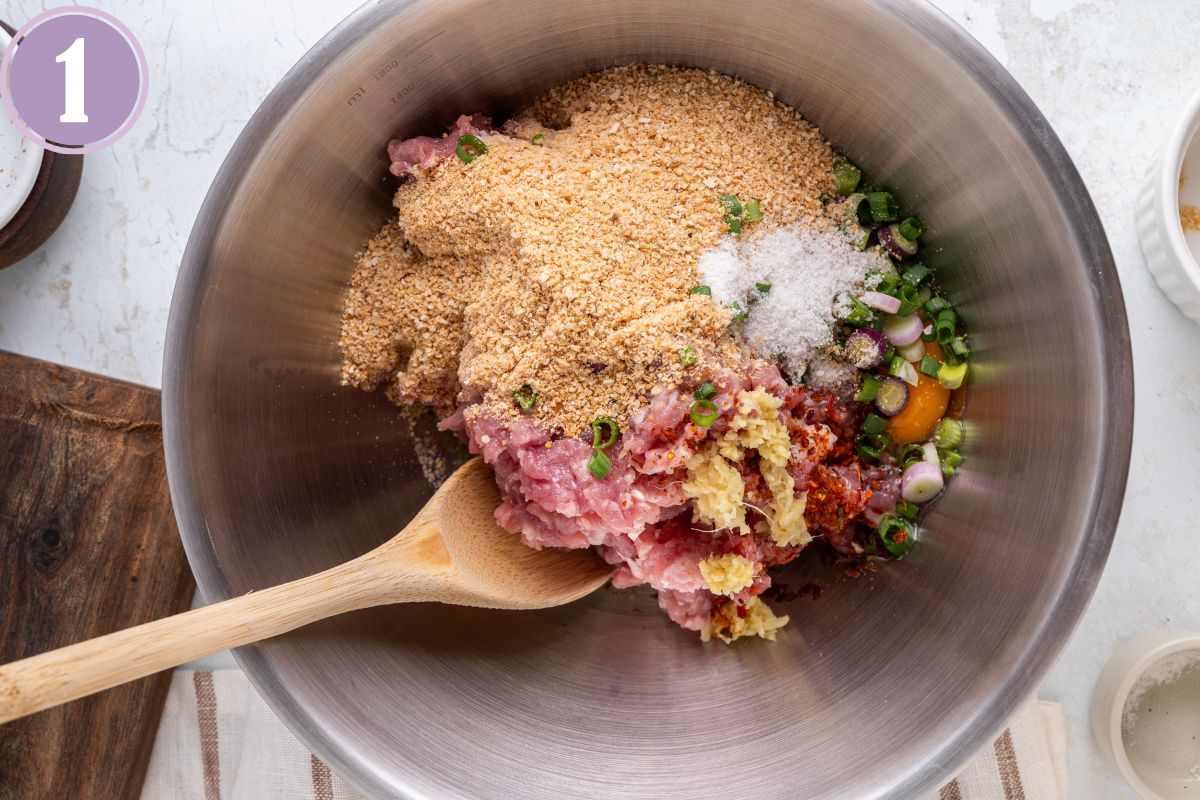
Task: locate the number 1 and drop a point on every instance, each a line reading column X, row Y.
column 72, row 58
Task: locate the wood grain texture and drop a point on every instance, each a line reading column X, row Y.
column 88, row 545
column 453, row 551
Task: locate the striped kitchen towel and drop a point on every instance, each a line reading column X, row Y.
column 219, row 741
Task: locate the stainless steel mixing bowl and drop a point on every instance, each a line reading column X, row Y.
column 882, row 687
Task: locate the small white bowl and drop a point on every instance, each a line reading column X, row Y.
column 1172, row 255
column 20, row 160
column 1159, row 755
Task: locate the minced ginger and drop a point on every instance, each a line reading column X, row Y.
column 716, row 486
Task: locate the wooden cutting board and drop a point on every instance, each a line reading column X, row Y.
column 88, row 545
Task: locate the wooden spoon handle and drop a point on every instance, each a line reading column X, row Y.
column 46, row 680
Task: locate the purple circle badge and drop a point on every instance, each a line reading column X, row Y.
column 74, row 79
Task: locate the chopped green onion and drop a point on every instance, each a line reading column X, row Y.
column 525, row 397
column 869, row 452
column 928, row 336
column 948, row 435
column 888, row 282
column 825, row 198
column 929, row 366
column 874, row 424
column 896, row 535
column 910, row 454
column 951, row 376
column 734, row 223
column 907, row 510
column 687, row 356
column 472, row 141
column 858, row 209
column 599, row 464
column 872, row 445
column 700, row 290
column 944, row 326
column 739, row 313
column 858, row 315
column 864, row 239
column 599, row 440
column 846, row 176
column 896, row 365
column 705, row 391
column 763, row 287
column 890, row 353
column 538, row 137
column 935, row 305
column 917, row 274
column 911, row 228
column 704, row 413
column 910, row 299
column 732, row 206
column 753, row 211
column 949, row 461
column 869, row 390
column 960, row 347
column 883, row 206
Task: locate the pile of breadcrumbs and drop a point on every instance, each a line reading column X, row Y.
column 563, row 258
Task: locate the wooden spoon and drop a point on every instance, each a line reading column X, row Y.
column 452, row 552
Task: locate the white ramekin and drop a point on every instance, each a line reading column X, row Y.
column 1123, row 670
column 20, row 160
column 1171, row 257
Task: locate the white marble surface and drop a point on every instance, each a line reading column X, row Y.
column 1109, row 74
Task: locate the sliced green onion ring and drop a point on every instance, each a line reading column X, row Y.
column 753, row 211
column 599, row 464
column 874, row 424
column 912, row 228
column 929, row 366
column 732, row 206
column 763, row 287
column 948, row 435
column 701, row 289
column 704, row 413
column 945, row 326
column 949, row 461
column 951, row 376
column 599, row 441
column 705, row 391
column 917, row 274
column 935, row 305
column 883, row 206
column 896, row 535
column 869, row 390
column 846, row 176
column 910, row 454
column 525, row 397
column 472, row 141
column 687, row 356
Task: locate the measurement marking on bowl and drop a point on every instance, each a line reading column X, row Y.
column 394, row 63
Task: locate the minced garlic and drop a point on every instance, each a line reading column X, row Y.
column 717, row 486
column 717, row 489
column 727, row 574
column 758, row 620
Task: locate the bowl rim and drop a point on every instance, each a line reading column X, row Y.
column 1052, row 632
column 1182, row 138
column 29, row 165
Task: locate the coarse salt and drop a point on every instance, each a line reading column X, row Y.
column 812, row 272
